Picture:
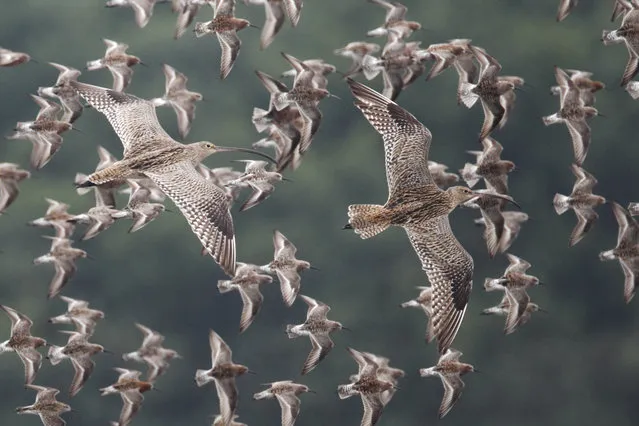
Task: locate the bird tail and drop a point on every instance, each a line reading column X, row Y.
column 561, row 203
column 371, row 67
column 410, row 304
column 469, row 173
column 79, row 180
column 55, row 355
column 289, row 331
column 116, row 170
column 345, row 391
column 95, row 65
column 367, row 220
column 224, row 286
column 609, row 37
column 108, row 391
column 466, row 95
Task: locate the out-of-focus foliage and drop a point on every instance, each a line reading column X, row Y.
column 578, row 364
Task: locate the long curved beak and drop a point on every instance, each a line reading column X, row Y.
column 501, row 196
column 542, row 310
column 250, row 151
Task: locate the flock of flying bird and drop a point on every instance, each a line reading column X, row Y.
column 155, row 166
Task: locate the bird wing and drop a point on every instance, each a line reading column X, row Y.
column 220, row 352
column 373, row 407
column 132, row 401
column 133, row 119
column 628, row 228
column 449, row 269
column 122, row 75
column 64, row 270
column 630, row 268
column 494, row 113
column 185, row 111
column 204, row 206
column 50, row 419
column 272, row 24
column 289, row 285
column 230, row 44
column 252, row 303
column 585, row 181
column 290, row 405
column 322, row 345
column 518, row 300
column 228, row 396
column 580, row 135
column 316, row 310
column 406, row 140
column 453, row 387
column 83, row 367
column 585, row 220
column 283, row 247
column 20, row 323
column 32, row 360
column 152, row 339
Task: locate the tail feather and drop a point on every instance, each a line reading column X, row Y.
column 371, row 67
column 346, row 391
column 79, row 180
column 291, row 335
column 466, row 96
column 224, row 286
column 560, row 202
column 367, row 219
column 55, row 355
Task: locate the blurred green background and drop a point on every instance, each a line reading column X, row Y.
column 576, row 365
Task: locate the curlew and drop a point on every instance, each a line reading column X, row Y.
column 79, row 351
column 627, row 250
column 23, row 343
column 420, row 207
column 286, row 392
column 449, row 370
column 247, row 281
column 582, row 201
column 151, row 152
column 223, row 372
column 287, row 267
column 46, row 406
column 318, row 328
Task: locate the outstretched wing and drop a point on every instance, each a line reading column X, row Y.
column 449, row 269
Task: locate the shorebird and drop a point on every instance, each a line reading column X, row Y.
column 225, row 25
column 9, row 58
column 286, row 393
column 318, row 328
column 424, row 302
column 46, row 406
column 79, row 351
column 582, row 201
column 514, row 317
column 627, row 250
column 179, row 98
column 259, row 179
column 151, row 152
column 79, row 314
column 628, row 32
column 43, row 132
column 420, row 207
column 62, row 91
column 247, row 281
column 275, row 15
column 306, row 97
column 356, row 51
column 449, row 370
column 105, row 193
column 287, row 267
column 444, row 55
column 63, row 257
column 293, row 10
column 384, row 372
column 494, row 221
column 441, row 177
column 368, row 386
column 565, row 6
column 395, row 11
column 489, row 89
column 130, row 388
column 10, row 176
column 286, row 152
column 97, row 219
column 405, row 29
column 56, row 217
column 512, row 226
column 23, row 343
column 489, row 166
column 140, row 208
column 573, row 113
column 223, row 372
column 143, row 9
column 152, row 353
column 186, row 9
column 587, row 86
column 118, row 62
column 320, row 70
